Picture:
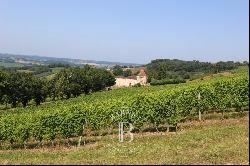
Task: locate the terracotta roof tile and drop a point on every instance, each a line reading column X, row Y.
column 142, row 73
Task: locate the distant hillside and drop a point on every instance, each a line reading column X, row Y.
column 26, row 60
column 164, row 71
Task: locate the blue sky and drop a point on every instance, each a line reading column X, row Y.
column 126, row 30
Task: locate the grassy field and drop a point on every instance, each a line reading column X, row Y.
column 207, row 142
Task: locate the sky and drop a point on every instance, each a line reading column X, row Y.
column 135, row 31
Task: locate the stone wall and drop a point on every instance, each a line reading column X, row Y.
column 120, row 82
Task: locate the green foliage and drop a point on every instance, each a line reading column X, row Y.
column 3, row 77
column 137, row 85
column 162, row 104
column 160, row 69
column 75, row 81
column 117, row 70
column 167, row 81
column 39, row 90
column 127, row 73
column 20, row 87
column 54, row 65
column 10, row 64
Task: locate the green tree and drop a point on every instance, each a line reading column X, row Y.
column 19, row 88
column 127, row 73
column 39, row 91
column 117, row 70
column 75, row 81
column 3, row 90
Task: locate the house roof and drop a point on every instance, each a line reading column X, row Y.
column 142, row 73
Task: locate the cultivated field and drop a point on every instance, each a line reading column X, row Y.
column 208, row 142
column 49, row 134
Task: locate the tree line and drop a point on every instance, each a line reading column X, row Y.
column 167, row 69
column 19, row 87
column 118, row 71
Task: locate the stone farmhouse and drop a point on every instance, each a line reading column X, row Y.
column 141, row 78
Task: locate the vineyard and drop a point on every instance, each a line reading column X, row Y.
column 168, row 104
